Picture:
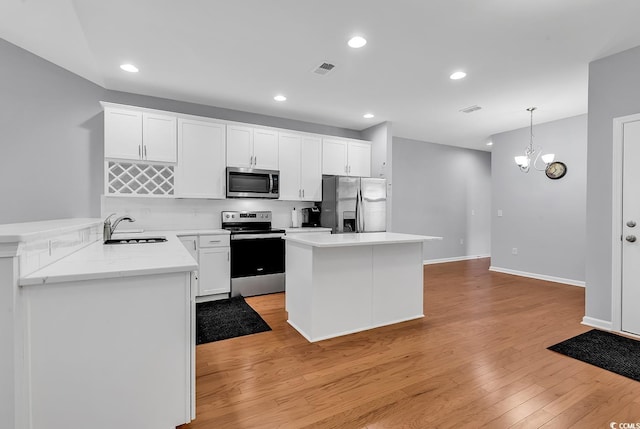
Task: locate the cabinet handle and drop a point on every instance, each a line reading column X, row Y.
column 227, row 256
column 140, row 151
column 214, row 241
column 346, row 168
column 255, row 161
column 251, row 161
column 145, row 151
column 194, row 245
column 303, row 193
column 349, row 169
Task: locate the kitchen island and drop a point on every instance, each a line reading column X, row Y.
column 344, row 283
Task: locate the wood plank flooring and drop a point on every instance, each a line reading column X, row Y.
column 477, row 359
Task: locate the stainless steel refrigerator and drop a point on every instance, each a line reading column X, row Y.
column 354, row 204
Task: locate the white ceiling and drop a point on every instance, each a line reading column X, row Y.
column 239, row 54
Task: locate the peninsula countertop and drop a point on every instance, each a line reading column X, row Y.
column 100, row 261
column 358, row 239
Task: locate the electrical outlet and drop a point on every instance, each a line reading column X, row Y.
column 499, row 213
column 514, row 251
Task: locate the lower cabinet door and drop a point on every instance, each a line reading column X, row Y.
column 214, row 273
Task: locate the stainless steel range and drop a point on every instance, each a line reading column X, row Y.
column 257, row 253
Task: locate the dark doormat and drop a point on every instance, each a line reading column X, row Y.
column 608, row 351
column 228, row 318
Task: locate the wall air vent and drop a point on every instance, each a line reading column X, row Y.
column 471, row 109
column 323, row 68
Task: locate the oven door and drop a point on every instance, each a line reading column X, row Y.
column 251, row 183
column 256, row 255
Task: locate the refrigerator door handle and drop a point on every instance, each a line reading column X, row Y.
column 364, row 227
column 358, row 210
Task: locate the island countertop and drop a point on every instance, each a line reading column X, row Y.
column 99, row 261
column 357, row 239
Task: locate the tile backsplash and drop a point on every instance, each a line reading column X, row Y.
column 169, row 213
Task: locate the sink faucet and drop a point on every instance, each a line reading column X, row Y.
column 108, row 229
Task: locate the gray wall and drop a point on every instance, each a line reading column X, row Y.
column 443, row 191
column 381, row 138
column 613, row 92
column 52, row 136
column 543, row 218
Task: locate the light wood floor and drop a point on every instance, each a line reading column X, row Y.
column 477, row 359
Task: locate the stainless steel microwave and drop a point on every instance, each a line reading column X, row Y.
column 252, row 183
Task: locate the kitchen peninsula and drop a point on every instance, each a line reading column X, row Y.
column 344, row 283
column 97, row 335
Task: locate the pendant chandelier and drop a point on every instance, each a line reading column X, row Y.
column 532, row 155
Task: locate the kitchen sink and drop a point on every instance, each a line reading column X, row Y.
column 136, row 240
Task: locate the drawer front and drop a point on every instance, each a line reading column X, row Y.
column 213, row 241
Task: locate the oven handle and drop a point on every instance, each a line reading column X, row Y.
column 256, row 236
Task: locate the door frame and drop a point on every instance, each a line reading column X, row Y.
column 616, row 219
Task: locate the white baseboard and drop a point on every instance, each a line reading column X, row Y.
column 538, row 276
column 597, row 323
column 454, row 259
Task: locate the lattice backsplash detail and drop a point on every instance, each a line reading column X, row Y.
column 127, row 178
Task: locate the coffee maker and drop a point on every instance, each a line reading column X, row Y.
column 311, row 217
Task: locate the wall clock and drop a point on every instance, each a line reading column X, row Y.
column 556, row 170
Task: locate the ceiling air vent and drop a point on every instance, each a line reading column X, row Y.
column 471, row 109
column 323, row 68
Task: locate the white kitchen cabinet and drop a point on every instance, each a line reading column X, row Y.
column 334, row 157
column 214, row 274
column 139, row 135
column 190, row 242
column 359, row 157
column 159, row 141
column 249, row 147
column 300, row 163
column 200, row 172
column 346, row 157
column 122, row 134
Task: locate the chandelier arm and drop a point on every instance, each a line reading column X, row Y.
column 535, row 162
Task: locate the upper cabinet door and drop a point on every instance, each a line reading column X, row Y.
column 122, row 134
column 334, row 157
column 201, row 152
column 239, row 146
column 265, row 149
column 289, row 162
column 359, row 159
column 159, row 137
column 311, row 168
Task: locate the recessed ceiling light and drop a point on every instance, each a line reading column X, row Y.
column 368, row 115
column 357, row 42
column 129, row 68
column 489, row 143
column 457, row 75
column 280, row 98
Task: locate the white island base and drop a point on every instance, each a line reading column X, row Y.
column 341, row 284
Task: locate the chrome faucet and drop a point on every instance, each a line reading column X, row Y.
column 108, row 229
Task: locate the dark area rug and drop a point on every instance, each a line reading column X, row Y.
column 608, row 351
column 228, row 318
